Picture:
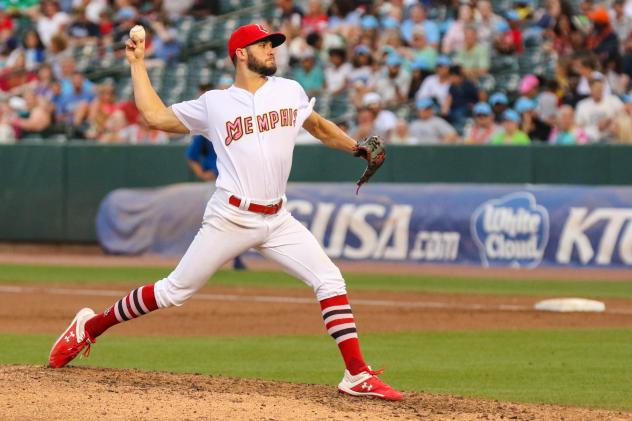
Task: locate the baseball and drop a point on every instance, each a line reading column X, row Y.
column 137, row 33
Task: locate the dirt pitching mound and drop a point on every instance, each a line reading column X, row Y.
column 78, row 393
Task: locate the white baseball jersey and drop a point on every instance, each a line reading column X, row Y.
column 253, row 134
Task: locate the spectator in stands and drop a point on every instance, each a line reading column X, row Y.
column 419, row 71
column 621, row 23
column 532, row 125
column 499, row 103
column 401, row 134
column 34, row 53
column 562, row 36
column 622, row 127
column 418, row 19
column 627, row 61
column 602, row 40
column 7, row 134
column 586, row 67
column 437, row 86
column 288, row 13
column 37, row 116
column 547, row 102
column 57, row 53
column 420, row 49
column 515, row 33
column 82, row 31
column 337, row 71
column 165, row 44
column 483, row 128
column 385, row 120
column 462, row 95
column 68, row 72
column 15, row 74
column 486, row 22
column 511, row 133
column 100, row 109
column 362, row 62
column 51, row 21
column 392, row 85
column 565, row 131
column 454, row 39
column 473, row 57
column 106, row 25
column 75, row 105
column 126, row 18
column 315, row 20
column 6, row 27
column 430, row 129
column 596, row 113
column 309, row 74
column 365, row 124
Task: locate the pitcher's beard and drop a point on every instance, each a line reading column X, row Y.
column 260, row 67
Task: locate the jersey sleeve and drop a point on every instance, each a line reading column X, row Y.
column 305, row 105
column 194, row 115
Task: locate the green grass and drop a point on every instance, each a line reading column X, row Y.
column 42, row 274
column 588, row 368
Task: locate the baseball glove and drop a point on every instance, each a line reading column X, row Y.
column 373, row 150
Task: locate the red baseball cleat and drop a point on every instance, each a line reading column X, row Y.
column 368, row 384
column 72, row 341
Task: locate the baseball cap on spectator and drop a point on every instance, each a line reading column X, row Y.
column 393, row 60
column 512, row 15
column 482, row 108
column 524, row 104
column 444, row 61
column 225, row 80
column 498, row 98
column 527, row 83
column 511, row 115
column 599, row 16
column 361, row 49
column 627, row 99
column 390, row 22
column 369, row 22
column 423, row 103
column 249, row 34
column 126, row 13
column 371, row 98
column 420, row 63
column 307, row 53
column 502, row 26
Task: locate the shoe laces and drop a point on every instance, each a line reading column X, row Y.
column 86, row 350
column 375, row 372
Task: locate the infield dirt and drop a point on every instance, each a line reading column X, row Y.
column 77, row 393
column 35, row 392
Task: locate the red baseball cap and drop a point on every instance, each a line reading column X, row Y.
column 249, row 34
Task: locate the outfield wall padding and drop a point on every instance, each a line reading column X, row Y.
column 50, row 192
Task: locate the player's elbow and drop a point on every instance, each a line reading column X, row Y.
column 152, row 119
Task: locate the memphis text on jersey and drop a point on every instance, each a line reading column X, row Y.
column 241, row 126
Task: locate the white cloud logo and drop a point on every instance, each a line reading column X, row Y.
column 511, row 231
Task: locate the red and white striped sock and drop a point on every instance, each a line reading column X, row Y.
column 341, row 326
column 138, row 302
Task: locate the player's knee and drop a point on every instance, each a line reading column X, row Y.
column 169, row 292
column 330, row 287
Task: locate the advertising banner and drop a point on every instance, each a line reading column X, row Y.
column 488, row 225
column 473, row 224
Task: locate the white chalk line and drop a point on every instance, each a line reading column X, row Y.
column 430, row 305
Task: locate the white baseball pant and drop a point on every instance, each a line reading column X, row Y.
column 228, row 231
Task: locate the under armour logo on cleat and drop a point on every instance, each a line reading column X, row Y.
column 366, row 386
column 71, row 335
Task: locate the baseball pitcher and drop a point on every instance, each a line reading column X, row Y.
column 253, row 126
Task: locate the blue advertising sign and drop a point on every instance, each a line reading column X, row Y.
column 488, row 225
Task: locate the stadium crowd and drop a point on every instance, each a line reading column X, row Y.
column 415, row 72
